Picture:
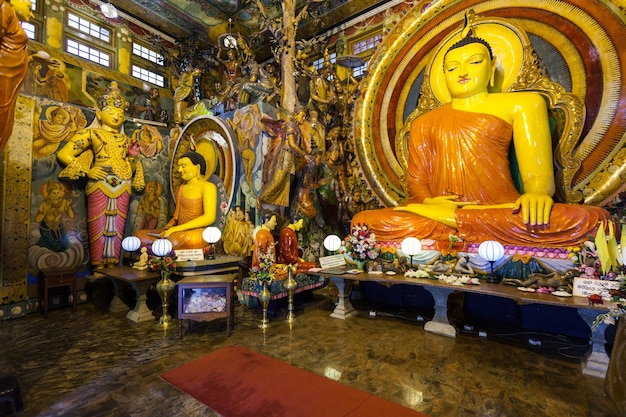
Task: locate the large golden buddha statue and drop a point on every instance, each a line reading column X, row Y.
column 459, row 179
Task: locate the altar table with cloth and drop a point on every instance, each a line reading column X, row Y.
column 250, row 288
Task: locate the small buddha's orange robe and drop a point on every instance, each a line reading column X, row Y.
column 187, row 209
column 453, row 152
column 263, row 244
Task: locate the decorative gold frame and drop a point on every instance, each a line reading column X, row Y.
column 210, row 132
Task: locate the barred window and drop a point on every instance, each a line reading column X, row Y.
column 147, row 53
column 87, row 52
column 149, row 76
column 366, row 44
column 85, row 26
column 30, row 30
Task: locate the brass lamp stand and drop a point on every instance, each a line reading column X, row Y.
column 290, row 286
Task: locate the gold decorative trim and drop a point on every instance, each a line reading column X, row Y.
column 16, row 187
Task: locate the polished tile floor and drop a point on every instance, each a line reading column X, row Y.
column 96, row 364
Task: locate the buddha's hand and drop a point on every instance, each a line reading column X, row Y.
column 169, row 231
column 535, row 208
column 97, row 173
column 447, row 199
column 438, row 209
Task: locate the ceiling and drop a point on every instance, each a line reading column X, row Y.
column 206, row 20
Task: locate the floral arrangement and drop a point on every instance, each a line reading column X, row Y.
column 264, row 271
column 586, row 260
column 361, row 243
column 166, row 264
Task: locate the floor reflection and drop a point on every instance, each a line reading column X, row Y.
column 92, row 363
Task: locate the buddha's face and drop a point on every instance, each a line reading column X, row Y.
column 468, row 70
column 187, row 169
column 271, row 223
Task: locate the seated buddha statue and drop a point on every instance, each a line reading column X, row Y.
column 288, row 250
column 196, row 207
column 459, row 179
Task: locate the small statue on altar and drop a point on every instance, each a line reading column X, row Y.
column 142, row 263
column 463, row 266
column 560, row 282
column 264, row 242
column 288, row 249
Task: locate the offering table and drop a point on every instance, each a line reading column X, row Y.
column 596, row 363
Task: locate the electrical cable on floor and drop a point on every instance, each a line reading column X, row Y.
column 385, row 314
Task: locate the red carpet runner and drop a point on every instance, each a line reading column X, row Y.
column 237, row 382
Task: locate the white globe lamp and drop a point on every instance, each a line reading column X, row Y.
column 491, row 251
column 211, row 235
column 332, row 243
column 411, row 246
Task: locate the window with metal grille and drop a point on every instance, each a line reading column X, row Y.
column 87, row 52
column 365, row 44
column 147, row 53
column 147, row 75
column 85, row 26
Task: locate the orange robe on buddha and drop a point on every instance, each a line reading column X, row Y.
column 453, row 152
column 186, row 210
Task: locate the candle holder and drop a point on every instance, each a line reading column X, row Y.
column 264, row 298
column 161, row 248
column 290, row 286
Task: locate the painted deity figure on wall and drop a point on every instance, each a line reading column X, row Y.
column 50, row 215
column 152, row 208
column 54, row 83
column 149, row 139
column 108, row 159
column 60, row 124
column 237, row 236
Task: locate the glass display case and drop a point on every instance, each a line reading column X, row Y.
column 206, row 298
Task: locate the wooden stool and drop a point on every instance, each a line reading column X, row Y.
column 52, row 278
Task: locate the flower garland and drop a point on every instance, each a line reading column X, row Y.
column 361, row 242
column 166, row 264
